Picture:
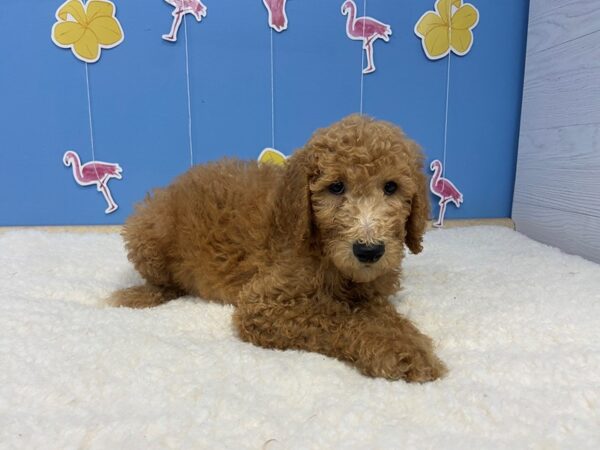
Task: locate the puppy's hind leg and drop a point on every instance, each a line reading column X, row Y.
column 144, row 296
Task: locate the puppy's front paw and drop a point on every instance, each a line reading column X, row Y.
column 398, row 359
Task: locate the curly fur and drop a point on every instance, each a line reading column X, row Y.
column 275, row 242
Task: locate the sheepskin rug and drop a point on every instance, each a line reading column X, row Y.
column 517, row 322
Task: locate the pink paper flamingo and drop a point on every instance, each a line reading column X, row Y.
column 365, row 29
column 277, row 17
column 444, row 189
column 182, row 7
column 94, row 172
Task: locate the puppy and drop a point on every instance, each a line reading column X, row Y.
column 309, row 253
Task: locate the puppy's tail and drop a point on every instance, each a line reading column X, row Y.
column 144, row 296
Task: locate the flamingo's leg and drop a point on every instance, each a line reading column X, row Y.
column 172, row 36
column 440, row 221
column 101, row 182
column 370, row 63
column 112, row 206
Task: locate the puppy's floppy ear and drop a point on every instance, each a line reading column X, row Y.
column 293, row 210
column 419, row 212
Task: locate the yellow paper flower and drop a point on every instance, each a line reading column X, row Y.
column 85, row 29
column 448, row 28
column 271, row 156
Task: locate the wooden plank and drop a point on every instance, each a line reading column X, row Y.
column 561, row 83
column 462, row 223
column 562, row 99
column 574, row 233
column 575, row 147
column 539, row 7
column 573, row 197
column 577, row 199
column 556, row 23
column 582, row 53
column 559, row 168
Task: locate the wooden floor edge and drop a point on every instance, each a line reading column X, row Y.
column 117, row 228
column 478, row 222
column 68, row 228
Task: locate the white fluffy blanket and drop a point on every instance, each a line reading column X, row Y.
column 518, row 324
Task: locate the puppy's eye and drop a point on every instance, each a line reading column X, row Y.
column 390, row 187
column 337, row 188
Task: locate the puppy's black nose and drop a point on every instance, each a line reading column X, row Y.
column 368, row 253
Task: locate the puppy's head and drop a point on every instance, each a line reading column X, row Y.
column 356, row 193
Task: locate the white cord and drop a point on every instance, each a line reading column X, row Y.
column 444, row 171
column 272, row 95
column 87, row 82
column 362, row 61
column 446, row 114
column 89, row 99
column 189, row 100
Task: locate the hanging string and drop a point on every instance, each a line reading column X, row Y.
column 272, row 95
column 444, row 171
column 446, row 113
column 89, row 100
column 362, row 60
column 189, row 100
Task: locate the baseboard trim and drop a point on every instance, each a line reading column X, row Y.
column 117, row 228
column 68, row 228
column 478, row 222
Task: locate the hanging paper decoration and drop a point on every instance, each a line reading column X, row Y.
column 448, row 28
column 277, row 16
column 444, row 189
column 271, row 156
column 94, row 173
column 87, row 28
column 182, row 7
column 197, row 9
column 365, row 29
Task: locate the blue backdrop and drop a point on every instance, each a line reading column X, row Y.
column 139, row 98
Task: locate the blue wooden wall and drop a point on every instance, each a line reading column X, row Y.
column 139, row 99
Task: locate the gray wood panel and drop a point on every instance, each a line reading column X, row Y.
column 573, row 56
column 571, row 99
column 551, row 26
column 556, row 170
column 557, row 187
column 562, row 88
column 573, row 148
column 561, row 85
column 573, row 233
column 537, row 7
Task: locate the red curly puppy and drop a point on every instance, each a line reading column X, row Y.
column 309, row 252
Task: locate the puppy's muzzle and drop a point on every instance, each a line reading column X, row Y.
column 368, row 253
